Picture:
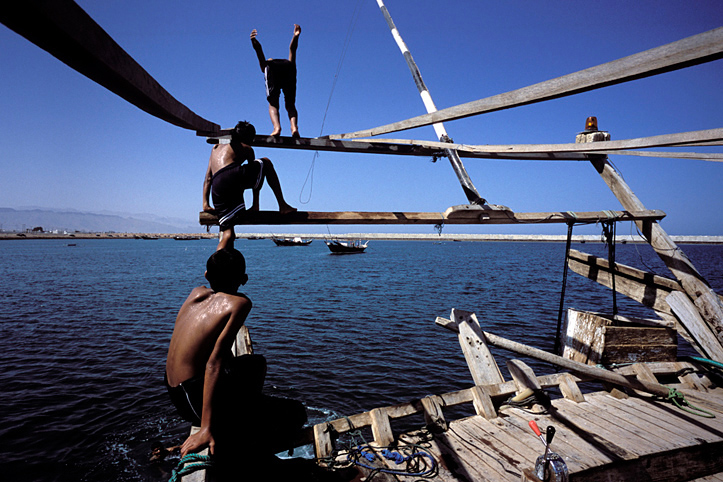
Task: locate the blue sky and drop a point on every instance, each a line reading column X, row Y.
column 65, row 142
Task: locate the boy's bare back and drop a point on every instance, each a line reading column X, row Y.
column 207, row 320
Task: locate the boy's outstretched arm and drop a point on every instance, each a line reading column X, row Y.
column 259, row 51
column 207, row 180
column 294, row 43
column 204, row 438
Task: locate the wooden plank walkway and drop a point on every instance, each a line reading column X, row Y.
column 603, row 438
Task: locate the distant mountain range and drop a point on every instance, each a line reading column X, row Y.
column 103, row 222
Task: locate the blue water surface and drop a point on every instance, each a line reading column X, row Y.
column 84, row 331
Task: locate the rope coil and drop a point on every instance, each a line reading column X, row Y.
column 190, row 463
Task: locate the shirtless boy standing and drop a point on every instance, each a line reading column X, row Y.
column 228, row 176
column 214, row 390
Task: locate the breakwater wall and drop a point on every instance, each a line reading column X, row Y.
column 541, row 238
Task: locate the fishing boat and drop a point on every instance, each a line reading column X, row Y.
column 619, row 403
column 346, row 247
column 295, row 241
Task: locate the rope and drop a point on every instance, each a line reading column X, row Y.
column 190, row 463
column 609, row 233
column 350, row 29
column 679, row 401
column 419, row 463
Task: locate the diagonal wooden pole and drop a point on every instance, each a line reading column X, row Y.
column 707, row 303
column 469, row 190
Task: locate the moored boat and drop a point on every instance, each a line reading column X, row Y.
column 346, row 247
column 295, row 241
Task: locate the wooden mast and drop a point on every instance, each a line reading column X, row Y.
column 701, row 298
column 470, row 191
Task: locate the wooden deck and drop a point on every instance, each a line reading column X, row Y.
column 619, row 433
column 602, row 438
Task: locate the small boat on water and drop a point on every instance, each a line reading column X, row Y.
column 186, row 238
column 295, row 241
column 346, row 247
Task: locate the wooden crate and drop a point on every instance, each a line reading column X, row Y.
column 594, row 338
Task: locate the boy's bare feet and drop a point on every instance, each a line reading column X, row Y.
column 286, row 209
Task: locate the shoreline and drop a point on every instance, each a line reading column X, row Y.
column 538, row 238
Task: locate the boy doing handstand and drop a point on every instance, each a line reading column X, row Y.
column 280, row 74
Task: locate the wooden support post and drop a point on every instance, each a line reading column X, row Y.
column 481, row 363
column 433, row 415
column 381, row 428
column 323, row 445
column 684, row 309
column 242, row 345
column 523, row 376
column 483, row 402
column 696, row 287
column 690, row 380
column 569, row 388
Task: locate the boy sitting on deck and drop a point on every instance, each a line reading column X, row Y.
column 228, row 176
column 220, row 393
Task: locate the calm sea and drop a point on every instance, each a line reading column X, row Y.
column 84, row 331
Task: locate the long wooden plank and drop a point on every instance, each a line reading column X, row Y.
column 475, row 215
column 688, row 313
column 687, row 52
column 695, row 156
column 691, row 138
column 526, row 152
column 645, row 288
column 68, row 33
column 481, row 363
column 401, row 147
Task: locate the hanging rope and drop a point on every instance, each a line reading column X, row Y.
column 564, row 285
column 190, row 463
column 609, row 232
column 310, row 174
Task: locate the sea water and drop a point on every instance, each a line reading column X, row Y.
column 84, row 330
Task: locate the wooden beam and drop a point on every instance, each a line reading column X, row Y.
column 687, row 52
column 481, row 363
column 523, row 152
column 67, row 32
column 457, row 215
column 688, row 139
column 646, row 288
column 397, row 148
column 575, row 367
column 694, row 156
